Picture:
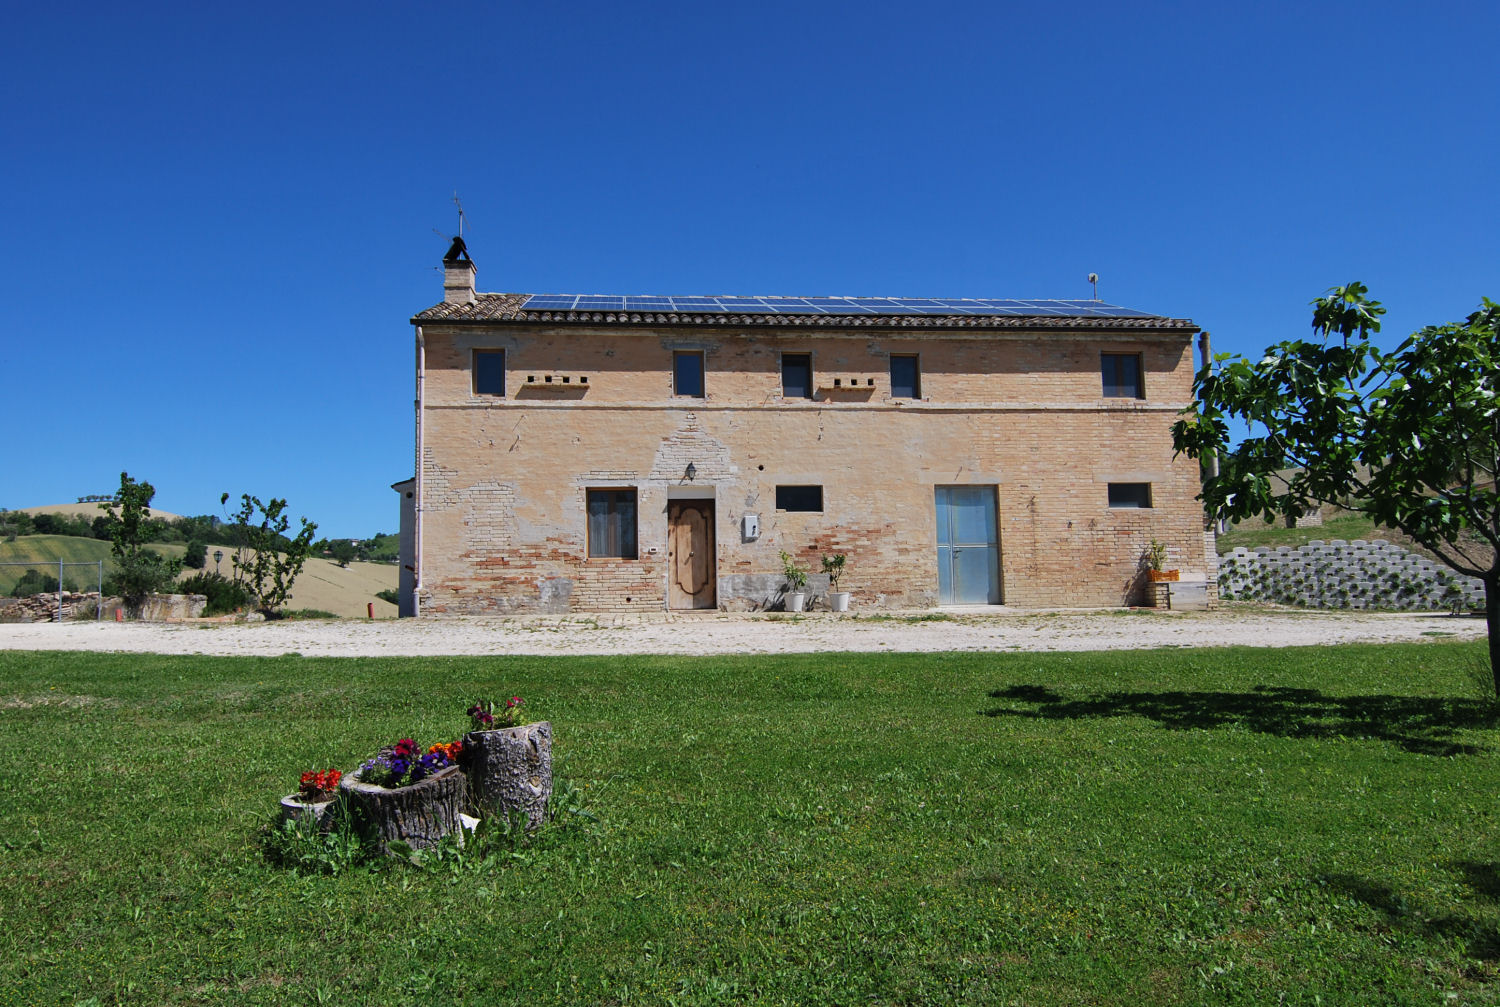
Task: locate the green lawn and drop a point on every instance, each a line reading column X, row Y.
column 1170, row 827
column 1348, row 526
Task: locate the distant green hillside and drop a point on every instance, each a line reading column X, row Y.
column 46, row 550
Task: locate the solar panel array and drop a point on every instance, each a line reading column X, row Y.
column 829, row 306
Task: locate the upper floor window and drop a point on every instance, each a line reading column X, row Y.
column 687, row 373
column 796, row 375
column 612, row 523
column 489, row 372
column 906, row 376
column 1122, row 375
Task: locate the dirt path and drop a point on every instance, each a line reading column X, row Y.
column 741, row 634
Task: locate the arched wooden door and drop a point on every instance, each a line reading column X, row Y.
column 690, row 554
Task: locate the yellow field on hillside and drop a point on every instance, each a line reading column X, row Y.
column 345, row 592
column 88, row 510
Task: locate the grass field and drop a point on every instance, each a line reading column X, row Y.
column 1347, row 526
column 48, row 549
column 1169, row 827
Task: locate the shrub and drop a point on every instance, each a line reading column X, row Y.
column 197, row 555
column 224, row 595
column 390, row 595
column 36, row 582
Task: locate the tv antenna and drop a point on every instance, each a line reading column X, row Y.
column 461, row 218
column 1093, row 277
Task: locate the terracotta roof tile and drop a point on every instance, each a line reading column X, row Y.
column 488, row 308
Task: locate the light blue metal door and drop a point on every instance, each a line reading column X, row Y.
column 968, row 541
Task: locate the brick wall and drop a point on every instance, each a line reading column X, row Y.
column 505, row 479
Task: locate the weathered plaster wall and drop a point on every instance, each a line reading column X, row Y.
column 505, row 478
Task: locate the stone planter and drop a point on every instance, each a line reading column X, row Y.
column 838, row 601
column 510, row 771
column 796, row 601
column 419, row 815
column 319, row 813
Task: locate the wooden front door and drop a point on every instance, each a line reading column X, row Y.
column 690, row 554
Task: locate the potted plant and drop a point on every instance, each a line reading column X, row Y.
column 403, row 795
column 314, row 798
column 833, row 566
column 796, row 583
column 1154, row 557
column 508, row 762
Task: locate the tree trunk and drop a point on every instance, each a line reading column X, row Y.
column 510, row 770
column 1491, row 617
column 418, row 815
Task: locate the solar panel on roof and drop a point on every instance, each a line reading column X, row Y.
column 781, row 305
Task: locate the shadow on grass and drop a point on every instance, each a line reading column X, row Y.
column 1480, row 938
column 1420, row 724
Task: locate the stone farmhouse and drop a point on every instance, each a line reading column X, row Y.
column 611, row 454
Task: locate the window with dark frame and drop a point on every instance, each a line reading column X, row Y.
column 800, row 498
column 1130, row 495
column 687, row 373
column 906, row 376
column 1122, row 375
column 796, row 375
column 612, row 524
column 489, row 372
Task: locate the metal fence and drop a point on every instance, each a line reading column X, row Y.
column 47, row 564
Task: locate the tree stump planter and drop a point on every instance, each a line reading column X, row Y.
column 419, row 815
column 319, row 813
column 510, row 771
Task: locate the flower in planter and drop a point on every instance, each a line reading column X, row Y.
column 403, row 764
column 485, row 717
column 318, row 785
column 454, row 750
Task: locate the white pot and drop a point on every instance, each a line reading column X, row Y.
column 796, row 601
column 838, row 601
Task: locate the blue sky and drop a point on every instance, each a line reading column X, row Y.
column 218, row 220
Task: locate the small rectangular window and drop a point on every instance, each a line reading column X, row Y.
column 906, row 377
column 489, row 372
column 799, row 498
column 1130, row 494
column 1122, row 375
column 687, row 373
column 612, row 524
column 796, row 375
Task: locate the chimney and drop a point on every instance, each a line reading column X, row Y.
column 458, row 275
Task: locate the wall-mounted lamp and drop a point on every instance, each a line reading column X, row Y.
column 692, row 471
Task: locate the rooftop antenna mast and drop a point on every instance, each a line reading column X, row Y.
column 461, row 218
column 1093, row 278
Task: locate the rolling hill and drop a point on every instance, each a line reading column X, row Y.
column 322, row 584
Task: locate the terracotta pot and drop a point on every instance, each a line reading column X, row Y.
column 1161, row 575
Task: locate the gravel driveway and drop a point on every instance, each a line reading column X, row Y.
column 718, row 633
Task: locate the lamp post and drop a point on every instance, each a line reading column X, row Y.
column 218, row 555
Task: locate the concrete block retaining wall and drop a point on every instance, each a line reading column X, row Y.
column 1339, row 574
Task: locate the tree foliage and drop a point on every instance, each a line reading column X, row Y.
column 266, row 562
column 1410, row 437
column 343, row 551
column 138, row 571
